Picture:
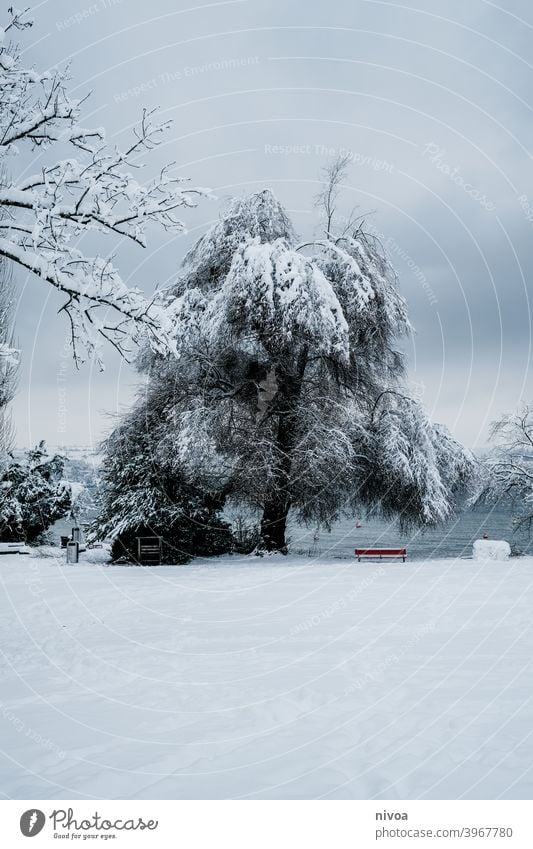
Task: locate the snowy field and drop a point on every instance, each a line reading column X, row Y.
column 266, row 679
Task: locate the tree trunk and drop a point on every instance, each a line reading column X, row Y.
column 273, row 527
column 278, row 499
column 277, row 502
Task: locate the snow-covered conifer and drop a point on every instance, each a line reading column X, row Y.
column 144, row 492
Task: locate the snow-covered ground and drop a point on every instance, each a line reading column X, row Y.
column 266, row 679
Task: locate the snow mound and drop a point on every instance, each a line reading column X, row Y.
column 491, row 549
column 96, row 555
column 39, row 551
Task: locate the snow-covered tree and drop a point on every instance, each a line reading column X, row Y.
column 8, row 363
column 83, row 186
column 144, row 493
column 33, row 495
column 507, row 476
column 9, row 356
column 288, row 390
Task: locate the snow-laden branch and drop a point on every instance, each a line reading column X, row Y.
column 8, row 355
column 42, row 217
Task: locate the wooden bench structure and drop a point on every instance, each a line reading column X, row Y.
column 150, row 550
column 381, row 553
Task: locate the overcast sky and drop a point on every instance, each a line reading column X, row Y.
column 433, row 100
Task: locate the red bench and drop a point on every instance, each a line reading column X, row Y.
column 380, row 553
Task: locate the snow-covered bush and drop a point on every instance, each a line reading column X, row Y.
column 33, row 495
column 245, row 534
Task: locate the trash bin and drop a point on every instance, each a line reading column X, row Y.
column 64, row 541
column 73, row 551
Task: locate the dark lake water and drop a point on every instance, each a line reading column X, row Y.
column 452, row 540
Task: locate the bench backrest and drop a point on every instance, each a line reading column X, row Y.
column 381, row 552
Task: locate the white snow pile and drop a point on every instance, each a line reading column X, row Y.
column 491, row 549
column 247, row 678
